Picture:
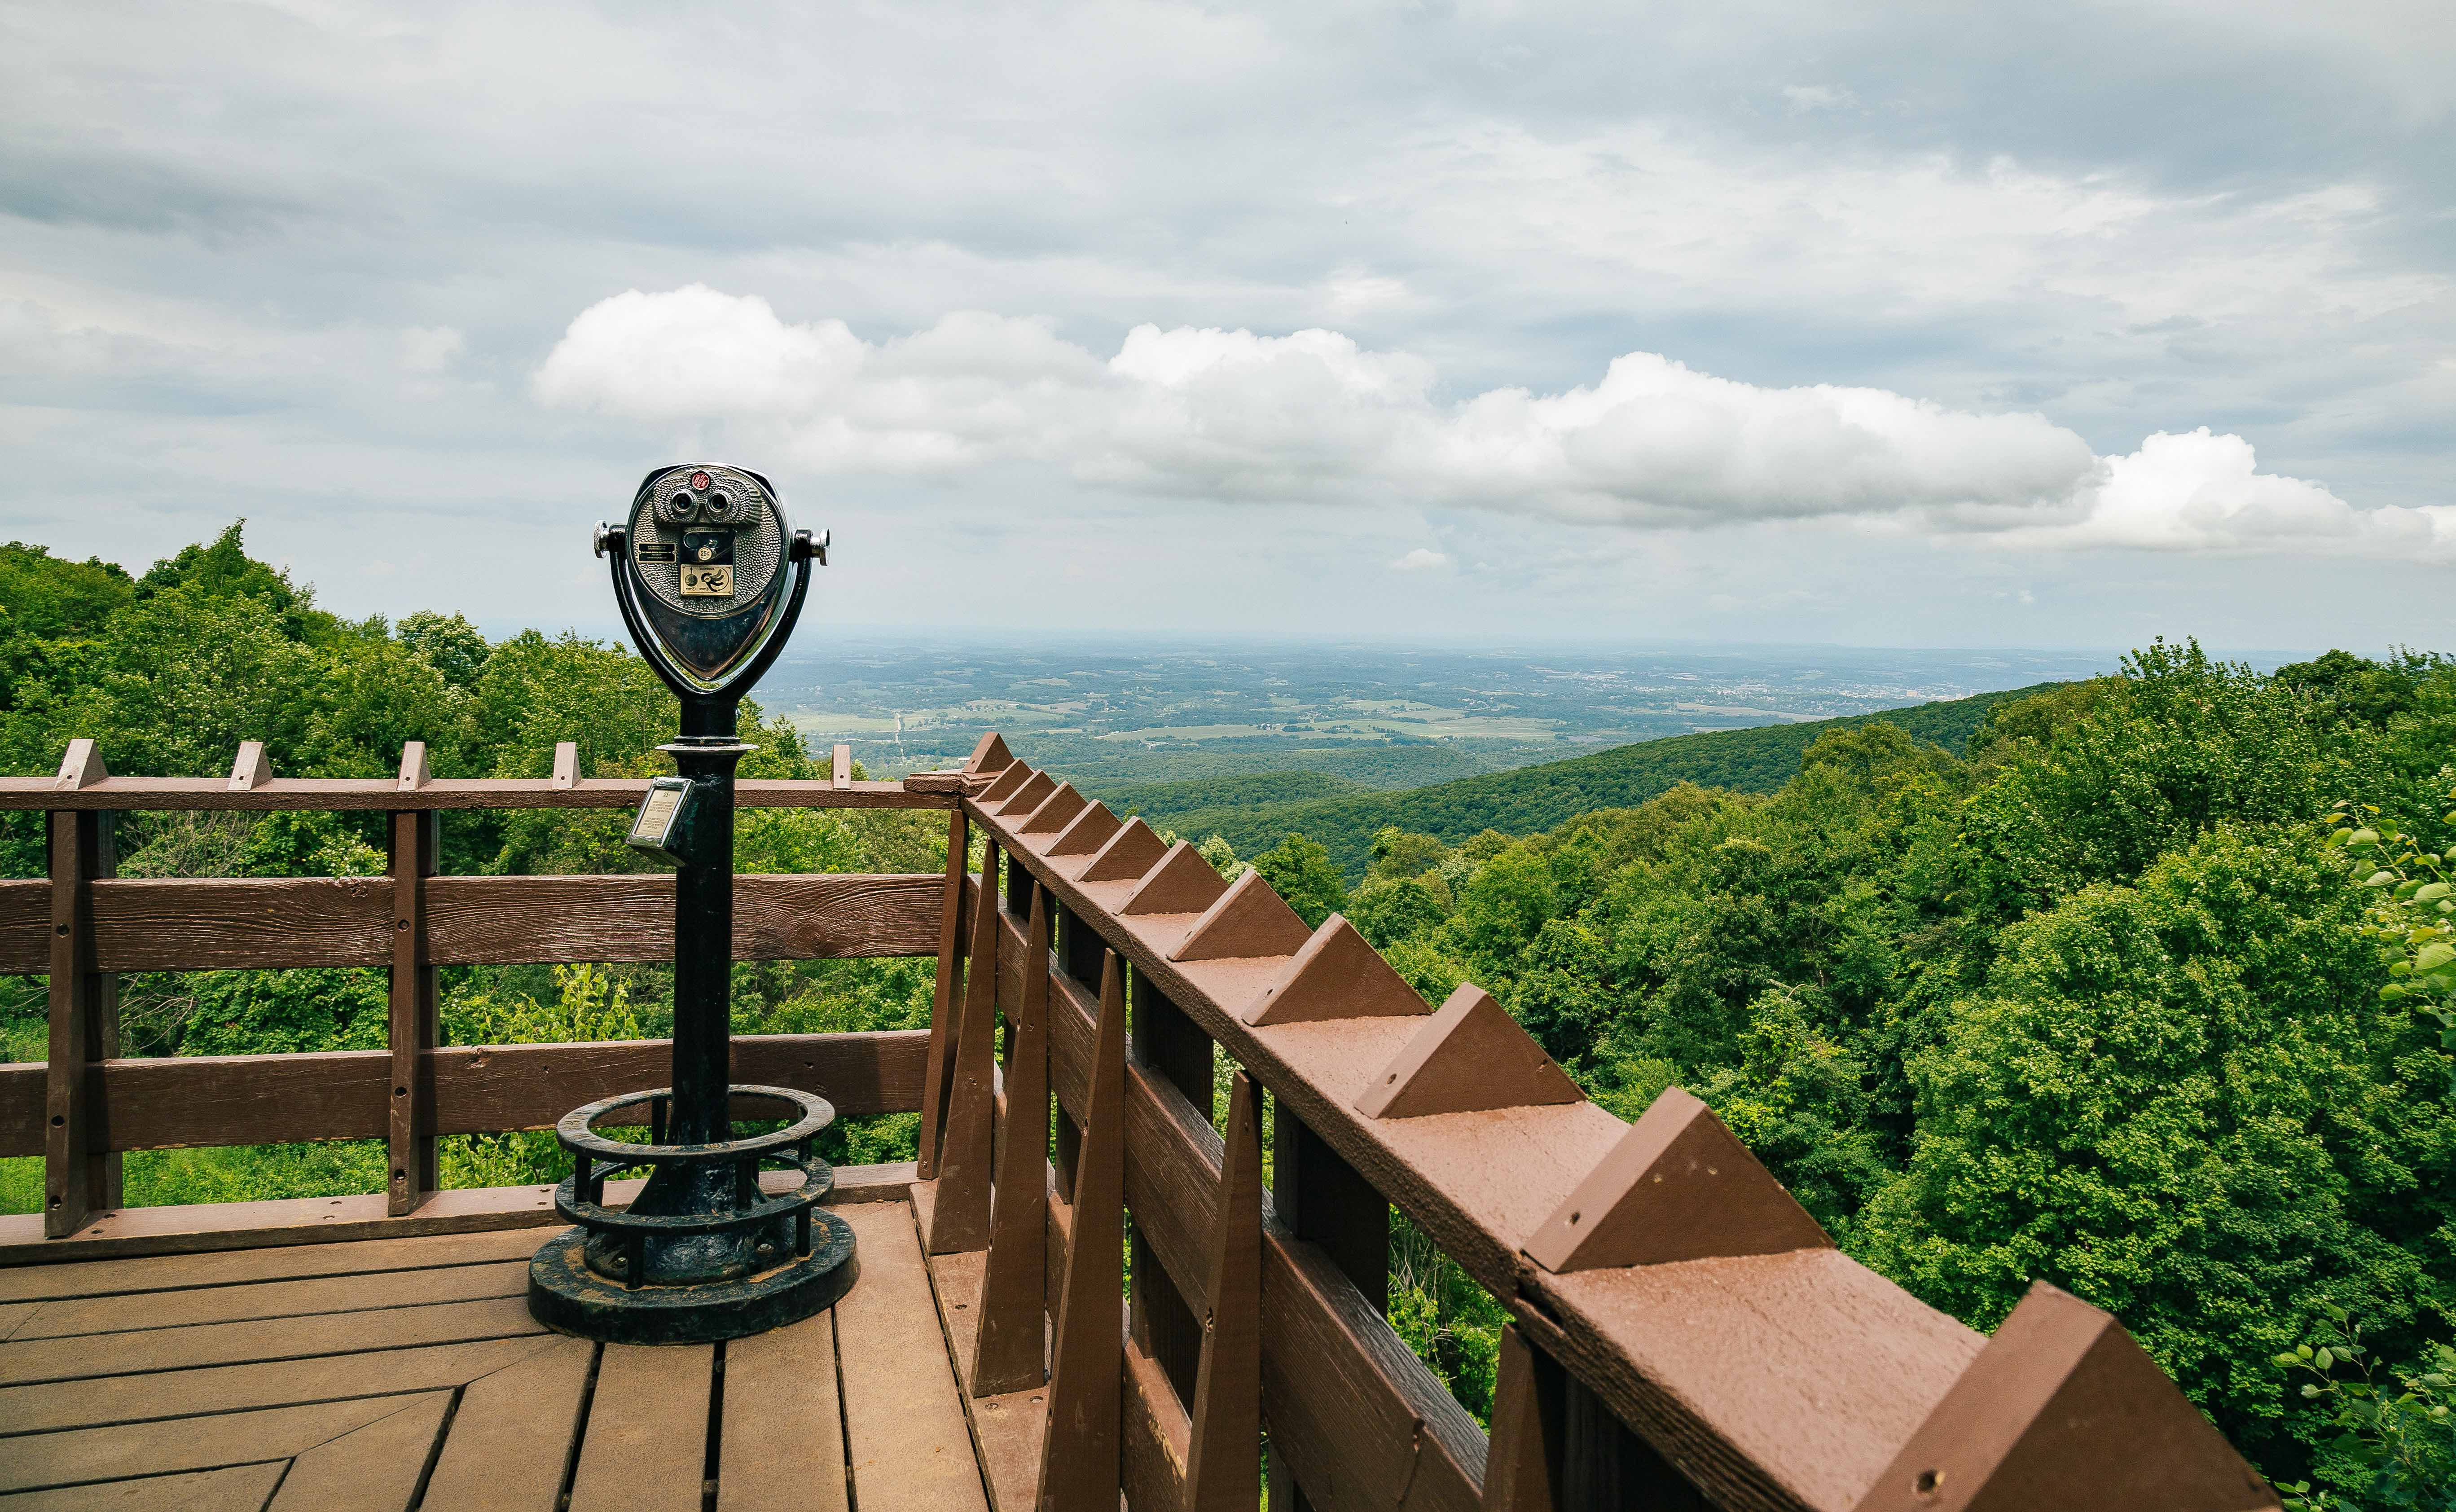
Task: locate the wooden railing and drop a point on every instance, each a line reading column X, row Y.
column 1682, row 1332
column 1682, row 1335
column 82, row 925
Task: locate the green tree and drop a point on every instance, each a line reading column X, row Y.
column 449, row 643
column 224, row 570
column 1399, row 853
column 2179, row 1100
column 1302, row 872
column 2176, row 745
column 1388, row 909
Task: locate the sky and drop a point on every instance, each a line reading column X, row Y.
column 1914, row 325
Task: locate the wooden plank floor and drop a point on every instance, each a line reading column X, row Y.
column 398, row 1373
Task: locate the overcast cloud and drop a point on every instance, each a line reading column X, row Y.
column 1929, row 325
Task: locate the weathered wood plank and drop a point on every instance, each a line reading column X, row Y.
column 1009, row 1428
column 41, row 1284
column 186, row 1101
column 281, row 1383
column 348, row 794
column 231, row 1304
column 512, row 1436
column 234, row 1489
column 646, row 1445
column 1006, row 1425
column 265, row 923
column 781, row 1446
column 269, row 1338
column 509, row 920
column 24, row 926
column 21, row 1108
column 164, row 923
column 531, row 1086
column 248, row 1226
column 907, row 1441
column 1152, row 1436
column 154, row 1448
column 375, row 1468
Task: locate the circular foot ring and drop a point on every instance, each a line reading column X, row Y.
column 568, row 1297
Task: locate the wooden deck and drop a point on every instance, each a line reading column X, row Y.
column 393, row 1374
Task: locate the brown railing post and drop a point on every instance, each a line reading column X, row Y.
column 1522, row 1472
column 959, row 1219
column 1009, row 1348
column 1165, row 1325
column 1079, row 1447
column 1226, row 1415
column 80, row 1175
column 415, row 840
column 945, row 1005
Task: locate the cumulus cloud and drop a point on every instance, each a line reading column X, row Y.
column 1424, row 559
column 2202, row 492
column 1312, row 415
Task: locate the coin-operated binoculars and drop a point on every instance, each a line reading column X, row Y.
column 710, row 577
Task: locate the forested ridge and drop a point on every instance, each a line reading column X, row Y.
column 2141, row 986
column 1255, row 811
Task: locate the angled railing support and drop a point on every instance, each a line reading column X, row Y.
column 1079, row 1450
column 1011, row 1344
column 960, row 1217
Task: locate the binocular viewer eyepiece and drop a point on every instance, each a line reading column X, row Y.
column 709, row 576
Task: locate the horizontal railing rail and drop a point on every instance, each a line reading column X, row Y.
column 383, row 794
column 267, row 923
column 185, row 1101
column 82, row 927
column 83, row 785
column 1682, row 1334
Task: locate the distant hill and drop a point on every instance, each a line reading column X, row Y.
column 1536, row 798
column 1161, row 803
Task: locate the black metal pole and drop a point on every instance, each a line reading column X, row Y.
column 707, row 754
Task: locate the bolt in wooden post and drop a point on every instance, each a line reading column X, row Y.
column 415, row 837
